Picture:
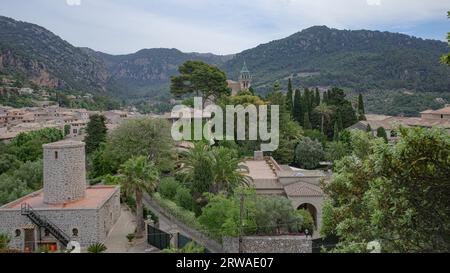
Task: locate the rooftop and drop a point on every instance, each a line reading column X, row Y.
column 95, row 198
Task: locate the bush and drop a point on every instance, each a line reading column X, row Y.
column 184, row 198
column 4, row 241
column 168, row 187
column 185, row 216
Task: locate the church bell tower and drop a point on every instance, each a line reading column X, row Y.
column 245, row 79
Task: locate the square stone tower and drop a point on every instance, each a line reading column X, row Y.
column 64, row 172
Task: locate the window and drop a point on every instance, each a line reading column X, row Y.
column 56, row 155
column 18, row 232
column 75, row 232
column 46, row 233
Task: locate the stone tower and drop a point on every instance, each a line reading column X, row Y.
column 245, row 79
column 64, row 172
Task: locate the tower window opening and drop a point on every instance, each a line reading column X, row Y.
column 56, row 155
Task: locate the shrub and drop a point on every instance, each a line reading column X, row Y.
column 191, row 247
column 130, row 237
column 184, row 198
column 168, row 187
column 185, row 216
column 4, row 241
column 97, row 248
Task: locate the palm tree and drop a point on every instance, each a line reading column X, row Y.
column 139, row 175
column 228, row 170
column 197, row 169
column 325, row 111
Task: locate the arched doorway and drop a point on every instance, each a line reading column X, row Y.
column 312, row 210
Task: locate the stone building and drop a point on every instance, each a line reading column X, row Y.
column 244, row 83
column 66, row 210
column 301, row 187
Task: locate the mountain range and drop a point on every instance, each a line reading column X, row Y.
column 318, row 56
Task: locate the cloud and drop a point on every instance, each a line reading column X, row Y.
column 219, row 26
column 374, row 2
column 73, row 2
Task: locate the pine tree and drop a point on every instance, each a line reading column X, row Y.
column 361, row 109
column 307, row 123
column 95, row 132
column 298, row 107
column 289, row 98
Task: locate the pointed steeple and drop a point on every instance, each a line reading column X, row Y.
column 244, row 68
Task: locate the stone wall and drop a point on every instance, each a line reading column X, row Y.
column 268, row 244
column 64, row 172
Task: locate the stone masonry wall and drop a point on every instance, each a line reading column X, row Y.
column 264, row 244
column 64, row 172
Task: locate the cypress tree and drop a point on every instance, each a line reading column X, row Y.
column 289, row 98
column 361, row 108
column 95, row 133
column 369, row 129
column 317, row 97
column 298, row 109
column 336, row 132
column 307, row 123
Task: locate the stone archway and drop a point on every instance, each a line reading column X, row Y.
column 312, row 210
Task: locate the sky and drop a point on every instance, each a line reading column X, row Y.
column 219, row 26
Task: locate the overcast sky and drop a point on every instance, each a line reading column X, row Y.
column 219, row 26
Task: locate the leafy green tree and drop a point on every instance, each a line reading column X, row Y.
column 307, row 221
column 275, row 215
column 95, row 133
column 381, row 133
column 104, row 161
column 66, row 130
column 168, row 187
column 28, row 146
column 147, row 137
column 397, row 195
column 139, row 175
column 336, row 150
column 199, row 78
column 8, row 162
column 308, row 153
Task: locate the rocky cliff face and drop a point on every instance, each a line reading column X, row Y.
column 46, row 59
